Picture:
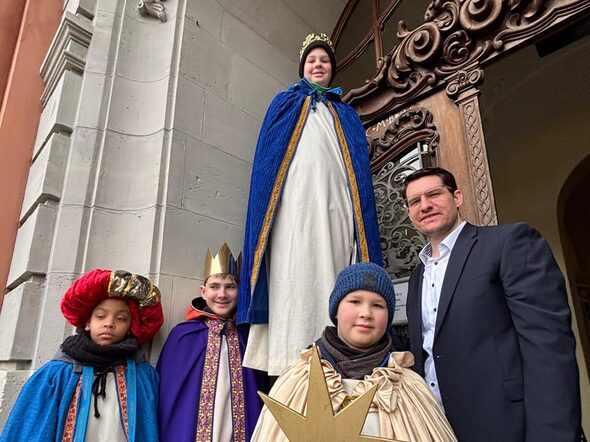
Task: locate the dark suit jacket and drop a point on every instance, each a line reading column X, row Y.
column 503, row 345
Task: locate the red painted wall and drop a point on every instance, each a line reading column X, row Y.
column 19, row 115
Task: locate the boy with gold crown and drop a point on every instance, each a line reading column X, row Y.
column 205, row 394
column 99, row 386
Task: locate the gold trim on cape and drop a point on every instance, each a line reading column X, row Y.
column 356, row 200
column 274, row 198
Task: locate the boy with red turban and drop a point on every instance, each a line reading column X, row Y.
column 99, row 387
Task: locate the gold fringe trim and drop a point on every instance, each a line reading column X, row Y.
column 274, row 198
column 356, row 200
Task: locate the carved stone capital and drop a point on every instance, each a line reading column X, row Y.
column 153, row 8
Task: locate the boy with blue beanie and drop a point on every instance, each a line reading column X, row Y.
column 355, row 356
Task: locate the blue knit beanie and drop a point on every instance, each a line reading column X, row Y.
column 362, row 276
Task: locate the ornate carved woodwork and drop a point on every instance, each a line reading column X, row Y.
column 456, row 35
column 446, row 53
column 400, row 242
column 481, row 182
column 407, row 129
column 398, row 146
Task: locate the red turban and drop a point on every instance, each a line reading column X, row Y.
column 93, row 287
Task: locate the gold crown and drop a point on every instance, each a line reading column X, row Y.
column 315, row 37
column 223, row 262
column 124, row 284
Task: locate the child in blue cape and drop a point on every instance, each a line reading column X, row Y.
column 99, row 386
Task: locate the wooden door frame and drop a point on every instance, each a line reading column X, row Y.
column 443, row 60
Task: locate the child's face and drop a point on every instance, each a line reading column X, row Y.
column 220, row 292
column 317, row 67
column 362, row 319
column 110, row 322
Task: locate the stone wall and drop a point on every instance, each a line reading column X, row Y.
column 143, row 154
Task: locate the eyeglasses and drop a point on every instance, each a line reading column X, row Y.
column 431, row 195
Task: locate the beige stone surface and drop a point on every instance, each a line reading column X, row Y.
column 71, row 224
column 129, row 171
column 121, row 239
column 160, row 132
column 207, row 13
column 81, row 166
column 101, row 54
column 18, row 321
column 138, row 108
column 143, row 52
column 251, row 88
column 215, row 183
column 174, row 171
column 259, row 51
column 206, row 61
column 186, row 237
column 33, row 244
column 60, row 111
column 229, row 128
column 52, row 328
column 10, row 385
column 189, row 108
column 46, row 174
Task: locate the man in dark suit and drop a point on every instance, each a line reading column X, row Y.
column 489, row 322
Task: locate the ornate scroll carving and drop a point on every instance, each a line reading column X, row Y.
column 478, row 162
column 153, row 8
column 407, row 143
column 410, row 127
column 456, row 34
column 464, row 79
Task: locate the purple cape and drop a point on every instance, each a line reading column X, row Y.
column 181, row 372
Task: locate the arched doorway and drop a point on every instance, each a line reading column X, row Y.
column 438, row 70
column 573, row 214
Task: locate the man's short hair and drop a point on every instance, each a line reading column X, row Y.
column 447, row 178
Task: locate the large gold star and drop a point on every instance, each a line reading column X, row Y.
column 321, row 424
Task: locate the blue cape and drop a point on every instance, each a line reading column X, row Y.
column 180, row 367
column 277, row 143
column 40, row 412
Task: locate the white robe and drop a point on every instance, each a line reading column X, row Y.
column 311, row 241
column 109, row 426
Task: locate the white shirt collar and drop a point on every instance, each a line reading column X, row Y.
column 445, row 246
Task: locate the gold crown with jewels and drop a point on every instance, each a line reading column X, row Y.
column 315, row 37
column 223, row 262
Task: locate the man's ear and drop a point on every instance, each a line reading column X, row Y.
column 203, row 291
column 458, row 196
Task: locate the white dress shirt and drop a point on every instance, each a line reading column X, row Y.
column 434, row 274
